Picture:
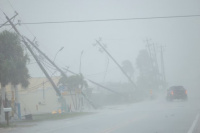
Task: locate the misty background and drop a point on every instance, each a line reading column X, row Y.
column 124, row 39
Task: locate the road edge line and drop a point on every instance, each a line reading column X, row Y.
column 193, row 124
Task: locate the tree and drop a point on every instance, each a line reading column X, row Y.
column 147, row 78
column 74, row 83
column 12, row 62
column 128, row 68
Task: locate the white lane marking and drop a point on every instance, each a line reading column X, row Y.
column 193, row 124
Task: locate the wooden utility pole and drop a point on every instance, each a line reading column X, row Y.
column 60, row 70
column 63, row 73
column 155, row 58
column 46, row 57
column 46, row 74
column 148, row 47
column 104, row 87
column 93, row 82
column 152, row 53
column 38, row 62
column 154, row 62
column 162, row 64
column 80, row 61
column 130, row 80
column 3, row 92
column 43, row 90
column 9, row 19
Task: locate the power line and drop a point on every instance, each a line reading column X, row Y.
column 35, row 87
column 96, row 73
column 118, row 65
column 1, row 18
column 11, row 5
column 48, row 68
column 102, row 72
column 45, row 63
column 107, row 20
column 1, row 10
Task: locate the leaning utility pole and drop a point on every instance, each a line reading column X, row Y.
column 152, row 53
column 3, row 92
column 130, row 80
column 95, row 83
column 148, row 48
column 61, row 71
column 35, row 57
column 46, row 57
column 162, row 64
column 154, row 62
column 38, row 62
column 155, row 58
column 9, row 19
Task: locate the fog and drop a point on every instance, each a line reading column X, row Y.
column 123, row 39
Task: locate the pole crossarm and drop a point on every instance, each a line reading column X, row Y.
column 35, row 57
column 9, row 19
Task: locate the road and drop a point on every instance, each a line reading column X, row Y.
column 156, row 116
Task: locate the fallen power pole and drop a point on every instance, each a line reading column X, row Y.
column 130, row 80
column 61, row 71
column 35, row 57
column 46, row 57
column 57, row 68
column 93, row 82
column 6, row 101
column 38, row 62
column 9, row 19
column 163, row 65
column 103, row 87
column 42, row 68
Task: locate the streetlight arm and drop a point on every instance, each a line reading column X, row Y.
column 57, row 53
column 80, row 61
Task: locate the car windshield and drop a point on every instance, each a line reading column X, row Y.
column 177, row 88
column 99, row 66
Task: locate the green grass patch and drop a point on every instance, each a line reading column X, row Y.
column 49, row 116
column 4, row 125
column 43, row 117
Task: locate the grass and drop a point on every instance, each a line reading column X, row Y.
column 44, row 117
column 49, row 116
column 4, row 125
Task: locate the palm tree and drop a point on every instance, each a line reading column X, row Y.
column 74, row 83
column 12, row 62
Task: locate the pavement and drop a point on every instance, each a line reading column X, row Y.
column 156, row 116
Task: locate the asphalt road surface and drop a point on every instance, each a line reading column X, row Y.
column 156, row 116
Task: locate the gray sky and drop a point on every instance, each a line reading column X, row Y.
column 124, row 39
